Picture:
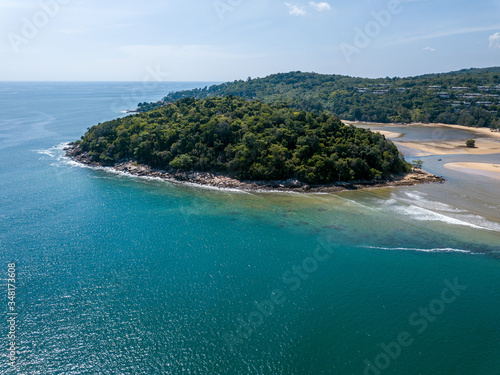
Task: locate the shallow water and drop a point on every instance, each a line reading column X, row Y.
column 120, row 274
column 421, row 133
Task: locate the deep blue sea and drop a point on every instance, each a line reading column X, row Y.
column 123, row 275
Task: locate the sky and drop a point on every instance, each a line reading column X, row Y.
column 225, row 40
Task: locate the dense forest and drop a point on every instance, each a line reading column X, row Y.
column 467, row 97
column 248, row 140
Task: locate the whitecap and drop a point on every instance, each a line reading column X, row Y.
column 68, row 161
column 434, row 250
column 414, row 205
column 417, row 195
column 423, row 214
column 480, row 221
column 417, row 198
column 54, row 151
column 45, row 152
column 355, row 203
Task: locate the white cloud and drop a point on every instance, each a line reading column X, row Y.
column 320, row 7
column 295, row 10
column 430, row 49
column 495, row 40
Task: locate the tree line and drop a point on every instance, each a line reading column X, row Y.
column 428, row 98
column 249, row 140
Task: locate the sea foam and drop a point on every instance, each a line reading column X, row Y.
column 417, row 206
column 434, row 250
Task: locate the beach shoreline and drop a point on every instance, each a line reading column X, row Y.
column 482, row 169
column 479, row 131
column 427, row 148
column 220, row 181
column 487, row 141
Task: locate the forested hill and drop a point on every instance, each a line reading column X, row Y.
column 467, row 97
column 244, row 139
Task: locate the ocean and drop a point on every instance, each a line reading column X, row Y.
column 112, row 274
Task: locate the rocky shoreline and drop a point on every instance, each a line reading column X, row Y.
column 221, row 181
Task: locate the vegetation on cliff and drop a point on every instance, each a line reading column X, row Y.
column 248, row 140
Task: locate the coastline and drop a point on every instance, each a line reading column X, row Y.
column 479, row 131
column 220, row 181
column 481, row 169
column 483, row 147
column 487, row 141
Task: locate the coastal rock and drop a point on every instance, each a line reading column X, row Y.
column 293, row 183
column 417, row 176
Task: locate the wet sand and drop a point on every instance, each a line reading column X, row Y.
column 487, row 141
column 479, row 131
column 483, row 147
column 483, row 169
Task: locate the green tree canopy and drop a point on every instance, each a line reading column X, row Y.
column 468, row 97
column 245, row 139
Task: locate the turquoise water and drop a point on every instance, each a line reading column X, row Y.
column 122, row 275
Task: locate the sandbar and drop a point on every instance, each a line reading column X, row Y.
column 479, row 131
column 483, row 169
column 487, row 141
column 483, row 147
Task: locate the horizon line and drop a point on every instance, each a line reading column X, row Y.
column 241, row 79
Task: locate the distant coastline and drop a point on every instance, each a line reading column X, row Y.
column 221, row 181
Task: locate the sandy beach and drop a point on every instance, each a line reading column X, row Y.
column 483, row 169
column 487, row 141
column 484, row 146
column 479, row 131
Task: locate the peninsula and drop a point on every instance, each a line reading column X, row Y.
column 230, row 142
